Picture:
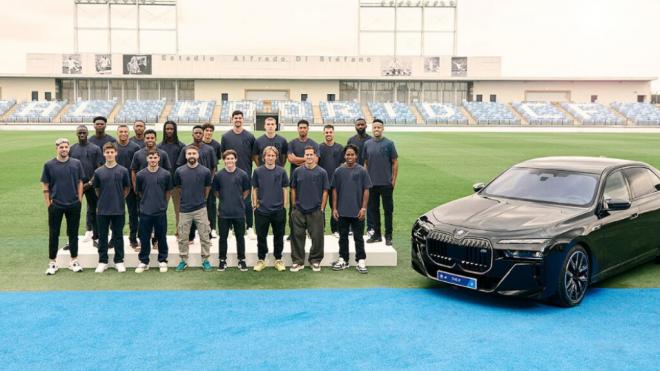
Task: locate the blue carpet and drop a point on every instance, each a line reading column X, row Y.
column 319, row 329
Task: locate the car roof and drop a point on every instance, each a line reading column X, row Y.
column 584, row 164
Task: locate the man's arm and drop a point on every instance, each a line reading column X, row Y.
column 365, row 201
column 286, row 196
column 207, row 189
column 324, row 199
column 80, row 190
column 293, row 196
column 395, row 171
column 335, row 213
column 134, row 180
column 255, row 200
column 47, row 194
column 168, row 195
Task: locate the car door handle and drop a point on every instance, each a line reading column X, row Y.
column 634, row 216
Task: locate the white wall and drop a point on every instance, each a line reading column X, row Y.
column 586, row 38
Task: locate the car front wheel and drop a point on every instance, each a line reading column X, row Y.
column 573, row 280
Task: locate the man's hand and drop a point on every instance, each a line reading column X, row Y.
column 362, row 213
column 335, row 214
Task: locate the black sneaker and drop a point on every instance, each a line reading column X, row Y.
column 373, row 239
column 66, row 247
column 242, row 266
column 134, row 244
column 222, row 266
column 95, row 243
column 388, row 241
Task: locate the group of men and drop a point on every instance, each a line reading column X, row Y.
column 142, row 175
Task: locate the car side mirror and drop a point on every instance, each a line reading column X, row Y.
column 478, row 187
column 615, row 204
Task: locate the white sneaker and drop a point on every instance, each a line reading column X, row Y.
column 120, row 267
column 370, row 232
column 101, row 268
column 296, row 267
column 214, row 234
column 141, row 268
column 251, row 235
column 88, row 236
column 75, row 267
column 362, row 266
column 52, row 268
column 316, row 267
column 336, row 234
column 162, row 266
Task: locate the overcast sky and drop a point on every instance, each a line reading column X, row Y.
column 577, row 38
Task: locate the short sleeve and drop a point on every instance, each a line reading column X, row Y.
column 207, row 179
column 285, row 179
column 255, row 179
column 393, row 154
column 45, row 175
column 177, row 178
column 246, row 182
column 125, row 181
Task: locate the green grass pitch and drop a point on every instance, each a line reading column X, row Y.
column 434, row 168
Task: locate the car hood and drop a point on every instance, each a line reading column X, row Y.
column 497, row 214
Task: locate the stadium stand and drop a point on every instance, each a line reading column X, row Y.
column 639, row 113
column 491, row 113
column 145, row 110
column 248, row 107
column 290, row 112
column 393, row 113
column 441, row 113
column 192, row 111
column 541, row 113
column 5, row 105
column 37, row 111
column 593, row 114
column 339, row 112
column 86, row 110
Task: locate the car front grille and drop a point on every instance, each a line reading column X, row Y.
column 474, row 255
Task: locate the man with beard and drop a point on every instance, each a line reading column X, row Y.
column 91, row 157
column 270, row 138
column 111, row 183
column 172, row 146
column 241, row 141
column 360, row 138
column 381, row 161
column 138, row 128
column 331, row 155
column 100, row 138
column 62, row 185
column 125, row 151
column 210, row 203
column 154, row 185
column 195, row 183
column 206, row 157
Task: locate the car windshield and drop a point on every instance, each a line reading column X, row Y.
column 543, row 185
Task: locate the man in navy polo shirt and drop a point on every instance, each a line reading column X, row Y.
column 195, row 183
column 91, row 157
column 63, row 190
column 111, row 182
column 309, row 194
column 231, row 185
column 269, row 195
column 350, row 185
column 381, row 161
column 125, row 151
column 154, row 185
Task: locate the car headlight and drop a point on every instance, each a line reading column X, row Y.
column 528, row 248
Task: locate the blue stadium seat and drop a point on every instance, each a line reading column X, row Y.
column 394, row 113
column 441, row 113
column 541, row 113
column 639, row 113
column 290, row 112
column 491, row 113
column 192, row 111
column 86, row 110
column 593, row 114
column 37, row 111
column 338, row 112
column 145, row 110
column 248, row 107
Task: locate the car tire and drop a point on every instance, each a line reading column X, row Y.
column 574, row 277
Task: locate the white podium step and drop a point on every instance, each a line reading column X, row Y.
column 378, row 254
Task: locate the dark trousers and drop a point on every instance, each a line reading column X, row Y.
column 133, row 205
column 212, row 210
column 90, row 224
column 302, row 223
column 157, row 223
column 373, row 210
column 55, row 215
column 276, row 220
column 239, row 230
column 333, row 222
column 357, row 225
column 116, row 224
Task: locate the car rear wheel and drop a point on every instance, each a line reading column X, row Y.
column 573, row 280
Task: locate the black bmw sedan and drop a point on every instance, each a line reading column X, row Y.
column 546, row 228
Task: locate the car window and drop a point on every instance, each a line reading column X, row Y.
column 616, row 188
column 642, row 181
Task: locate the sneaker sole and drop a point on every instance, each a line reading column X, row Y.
column 340, row 268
